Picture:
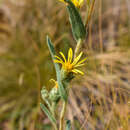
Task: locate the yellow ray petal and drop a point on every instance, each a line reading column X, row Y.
column 75, row 2
column 80, row 62
column 78, row 71
column 74, row 71
column 78, row 65
column 58, row 58
column 58, row 61
column 63, row 56
column 70, row 55
column 77, row 58
column 81, row 1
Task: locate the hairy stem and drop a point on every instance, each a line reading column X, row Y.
column 62, row 115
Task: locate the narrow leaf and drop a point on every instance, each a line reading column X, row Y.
column 62, row 91
column 52, row 51
column 50, row 116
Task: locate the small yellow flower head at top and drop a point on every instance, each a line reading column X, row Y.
column 77, row 3
column 70, row 64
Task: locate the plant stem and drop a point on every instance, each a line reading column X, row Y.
column 55, row 126
column 78, row 47
column 53, row 109
column 62, row 115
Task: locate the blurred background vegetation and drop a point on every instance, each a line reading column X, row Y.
column 100, row 100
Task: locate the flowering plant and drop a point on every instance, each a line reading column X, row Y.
column 68, row 69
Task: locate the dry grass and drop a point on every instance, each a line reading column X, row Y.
column 99, row 100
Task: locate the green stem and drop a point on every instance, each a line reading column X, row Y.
column 53, row 108
column 62, row 115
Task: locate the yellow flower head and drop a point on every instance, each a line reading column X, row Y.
column 69, row 64
column 77, row 3
column 55, row 82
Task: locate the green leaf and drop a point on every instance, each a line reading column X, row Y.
column 50, row 116
column 62, row 91
column 52, row 51
column 68, row 125
column 78, row 28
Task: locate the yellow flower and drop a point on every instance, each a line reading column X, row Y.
column 77, row 3
column 69, row 64
column 55, row 82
